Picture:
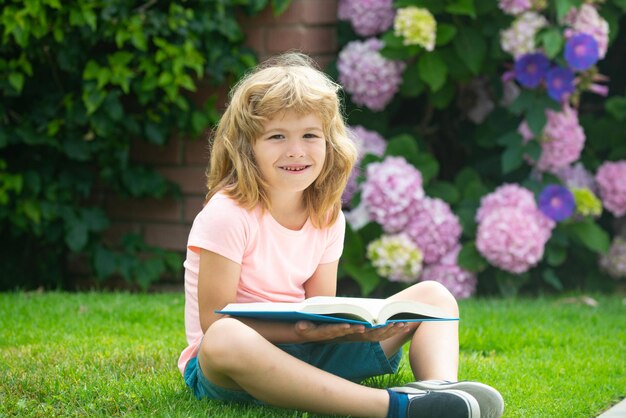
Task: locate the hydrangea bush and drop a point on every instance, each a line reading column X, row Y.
column 493, row 153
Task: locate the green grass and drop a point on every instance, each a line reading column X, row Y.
column 115, row 354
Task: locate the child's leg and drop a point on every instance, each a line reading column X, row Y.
column 235, row 356
column 434, row 352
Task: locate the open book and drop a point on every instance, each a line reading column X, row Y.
column 369, row 312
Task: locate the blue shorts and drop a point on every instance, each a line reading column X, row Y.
column 352, row 361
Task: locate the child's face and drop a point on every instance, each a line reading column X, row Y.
column 291, row 151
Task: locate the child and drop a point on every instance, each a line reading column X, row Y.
column 272, row 230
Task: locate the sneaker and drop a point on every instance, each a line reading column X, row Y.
column 489, row 399
column 439, row 404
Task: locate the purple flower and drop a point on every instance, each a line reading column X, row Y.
column 391, row 191
column 556, row 202
column 581, row 51
column 530, row 69
column 371, row 79
column 560, row 83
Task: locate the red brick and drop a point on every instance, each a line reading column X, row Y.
column 306, row 39
column 144, row 152
column 191, row 207
column 255, row 38
column 167, row 209
column 298, row 11
column 319, row 11
column 197, row 151
column 192, row 180
column 169, row 237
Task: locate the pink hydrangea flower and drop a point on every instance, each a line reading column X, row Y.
column 507, row 195
column 512, row 239
column 391, row 191
column 562, row 141
column 461, row 283
column 367, row 142
column 371, row 79
column 576, row 176
column 514, row 7
column 434, row 228
column 519, row 39
column 611, row 180
column 588, row 20
column 614, row 262
column 368, row 17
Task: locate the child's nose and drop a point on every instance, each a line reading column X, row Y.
column 295, row 149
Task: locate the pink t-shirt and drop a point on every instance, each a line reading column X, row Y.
column 275, row 261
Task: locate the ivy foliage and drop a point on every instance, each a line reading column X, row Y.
column 79, row 81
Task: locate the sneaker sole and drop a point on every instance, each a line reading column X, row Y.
column 472, row 404
column 490, row 401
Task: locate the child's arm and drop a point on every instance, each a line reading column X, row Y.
column 218, row 278
column 323, row 282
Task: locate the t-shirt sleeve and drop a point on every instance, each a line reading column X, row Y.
column 334, row 246
column 221, row 227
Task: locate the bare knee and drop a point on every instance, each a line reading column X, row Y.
column 225, row 344
column 434, row 293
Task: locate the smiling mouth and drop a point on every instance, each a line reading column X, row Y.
column 295, row 168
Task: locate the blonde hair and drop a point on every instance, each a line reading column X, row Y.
column 286, row 82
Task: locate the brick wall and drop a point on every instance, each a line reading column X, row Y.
column 307, row 26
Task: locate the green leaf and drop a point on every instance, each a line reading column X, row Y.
column 428, row 166
column 76, row 234
column 509, row 283
column 412, row 85
column 354, row 248
column 365, row 275
column 442, row 98
column 512, row 158
column 512, row 138
column 533, row 150
column 522, row 102
column 16, row 80
column 465, row 177
column 470, row 259
column 445, row 33
column 432, row 70
column 443, row 190
column 536, row 119
column 616, row 106
column 555, row 255
column 403, row 146
column 471, row 47
column 279, row 6
column 621, row 4
column 552, row 40
column 550, row 277
column 104, row 262
column 564, row 6
column 590, row 235
column 154, row 133
column 76, row 148
column 462, row 7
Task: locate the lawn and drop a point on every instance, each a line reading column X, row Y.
column 94, row 354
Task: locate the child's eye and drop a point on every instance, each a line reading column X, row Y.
column 277, row 136
column 309, row 136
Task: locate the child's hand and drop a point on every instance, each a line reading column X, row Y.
column 310, row 331
column 381, row 333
